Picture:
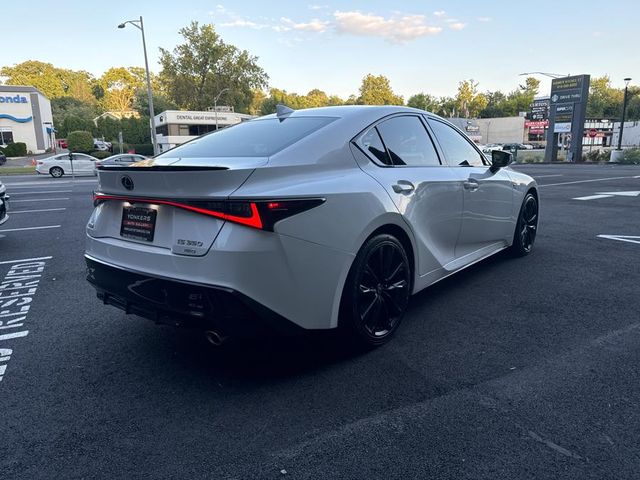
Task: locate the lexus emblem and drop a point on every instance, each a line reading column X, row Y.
column 127, row 182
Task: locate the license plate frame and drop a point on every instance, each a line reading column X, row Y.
column 138, row 223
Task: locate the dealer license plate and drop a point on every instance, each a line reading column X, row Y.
column 138, row 223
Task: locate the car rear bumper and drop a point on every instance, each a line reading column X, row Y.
column 183, row 304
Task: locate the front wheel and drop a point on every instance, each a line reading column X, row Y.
column 527, row 227
column 56, row 172
column 376, row 293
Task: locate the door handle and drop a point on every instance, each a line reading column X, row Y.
column 403, row 186
column 471, row 185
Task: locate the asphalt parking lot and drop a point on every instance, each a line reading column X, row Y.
column 513, row 369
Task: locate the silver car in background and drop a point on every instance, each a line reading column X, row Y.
column 304, row 220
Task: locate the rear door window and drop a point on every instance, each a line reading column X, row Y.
column 257, row 138
column 408, row 142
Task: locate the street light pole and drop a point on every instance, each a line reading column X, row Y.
column 550, row 75
column 215, row 105
column 152, row 113
column 624, row 111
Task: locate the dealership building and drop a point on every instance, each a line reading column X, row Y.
column 25, row 116
column 174, row 127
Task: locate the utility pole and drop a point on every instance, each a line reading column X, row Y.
column 624, row 111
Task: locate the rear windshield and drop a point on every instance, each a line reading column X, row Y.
column 257, row 138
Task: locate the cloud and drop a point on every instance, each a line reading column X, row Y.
column 397, row 29
column 243, row 23
column 440, row 13
column 314, row 25
column 597, row 34
column 484, row 19
column 318, row 7
column 457, row 26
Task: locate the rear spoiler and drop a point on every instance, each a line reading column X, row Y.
column 159, row 168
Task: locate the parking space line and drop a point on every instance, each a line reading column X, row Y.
column 38, row 193
column 547, row 176
column 21, row 260
column 13, row 212
column 39, row 200
column 12, row 186
column 585, row 181
column 29, row 228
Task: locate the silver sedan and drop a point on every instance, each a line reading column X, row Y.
column 304, row 220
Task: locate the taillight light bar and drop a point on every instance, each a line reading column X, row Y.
column 260, row 214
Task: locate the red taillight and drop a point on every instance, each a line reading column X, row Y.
column 257, row 214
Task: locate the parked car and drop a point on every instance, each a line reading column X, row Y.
column 514, row 146
column 3, row 158
column 488, row 148
column 4, row 204
column 59, row 165
column 62, row 143
column 121, row 159
column 304, row 220
column 101, row 145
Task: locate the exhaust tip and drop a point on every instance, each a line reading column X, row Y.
column 215, row 338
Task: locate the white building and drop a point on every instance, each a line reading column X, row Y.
column 174, row 127
column 25, row 116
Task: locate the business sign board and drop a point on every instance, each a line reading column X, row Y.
column 562, row 127
column 567, row 111
column 536, row 124
column 539, row 109
column 568, row 89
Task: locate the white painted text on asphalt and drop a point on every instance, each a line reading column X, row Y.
column 16, row 294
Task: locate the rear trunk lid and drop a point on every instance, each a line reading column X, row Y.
column 133, row 216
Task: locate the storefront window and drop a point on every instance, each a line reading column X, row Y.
column 6, row 136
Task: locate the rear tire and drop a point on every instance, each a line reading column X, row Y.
column 376, row 293
column 526, row 228
column 56, row 172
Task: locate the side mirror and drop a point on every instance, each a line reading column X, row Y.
column 500, row 159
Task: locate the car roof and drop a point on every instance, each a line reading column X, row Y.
column 353, row 112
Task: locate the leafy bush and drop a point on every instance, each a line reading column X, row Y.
column 141, row 148
column 80, row 141
column 596, row 156
column 17, row 149
column 101, row 154
column 631, row 156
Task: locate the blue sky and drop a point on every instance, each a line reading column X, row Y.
column 419, row 45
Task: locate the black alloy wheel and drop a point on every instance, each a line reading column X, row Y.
column 377, row 291
column 527, row 226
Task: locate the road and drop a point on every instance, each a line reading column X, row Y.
column 514, row 369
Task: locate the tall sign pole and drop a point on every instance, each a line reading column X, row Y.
column 568, row 109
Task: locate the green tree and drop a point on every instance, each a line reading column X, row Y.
column 119, row 85
column 376, row 90
column 160, row 102
column 80, row 141
column 424, row 101
column 200, row 68
column 469, row 102
column 53, row 82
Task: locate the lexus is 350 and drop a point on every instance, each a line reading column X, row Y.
column 304, row 220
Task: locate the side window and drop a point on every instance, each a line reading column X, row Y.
column 372, row 144
column 408, row 142
column 457, row 149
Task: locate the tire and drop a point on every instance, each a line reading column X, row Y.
column 56, row 172
column 526, row 228
column 376, row 293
